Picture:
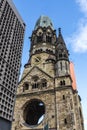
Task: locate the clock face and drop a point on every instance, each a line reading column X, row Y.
column 37, row 59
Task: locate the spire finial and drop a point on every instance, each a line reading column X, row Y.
column 59, row 31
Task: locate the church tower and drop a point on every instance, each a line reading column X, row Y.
column 47, row 96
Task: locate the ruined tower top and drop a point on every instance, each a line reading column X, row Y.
column 44, row 21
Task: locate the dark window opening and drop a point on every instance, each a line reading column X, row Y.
column 48, row 39
column 60, row 55
column 38, row 51
column 63, row 97
column 52, row 116
column 66, row 66
column 62, row 82
column 44, row 21
column 34, row 112
column 49, row 51
column 35, row 85
column 65, row 55
column 39, row 38
column 80, row 112
column 65, row 121
column 61, row 65
column 44, row 84
column 26, row 87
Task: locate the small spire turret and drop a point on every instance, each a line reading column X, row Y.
column 59, row 31
column 62, row 56
column 61, row 49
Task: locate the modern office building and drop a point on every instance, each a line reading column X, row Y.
column 47, row 95
column 12, row 30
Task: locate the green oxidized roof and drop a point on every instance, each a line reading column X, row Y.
column 44, row 21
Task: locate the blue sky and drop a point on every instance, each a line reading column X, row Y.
column 71, row 16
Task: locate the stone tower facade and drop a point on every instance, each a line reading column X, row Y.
column 46, row 96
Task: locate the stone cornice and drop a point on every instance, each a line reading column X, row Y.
column 38, row 92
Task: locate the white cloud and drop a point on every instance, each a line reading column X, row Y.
column 83, row 5
column 85, row 121
column 79, row 38
column 85, row 124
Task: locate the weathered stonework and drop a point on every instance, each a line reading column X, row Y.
column 47, row 78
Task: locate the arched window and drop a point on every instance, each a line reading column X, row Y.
column 25, row 87
column 62, row 82
column 44, row 83
column 60, row 55
column 35, row 83
column 39, row 38
column 38, row 51
column 48, row 39
column 49, row 51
